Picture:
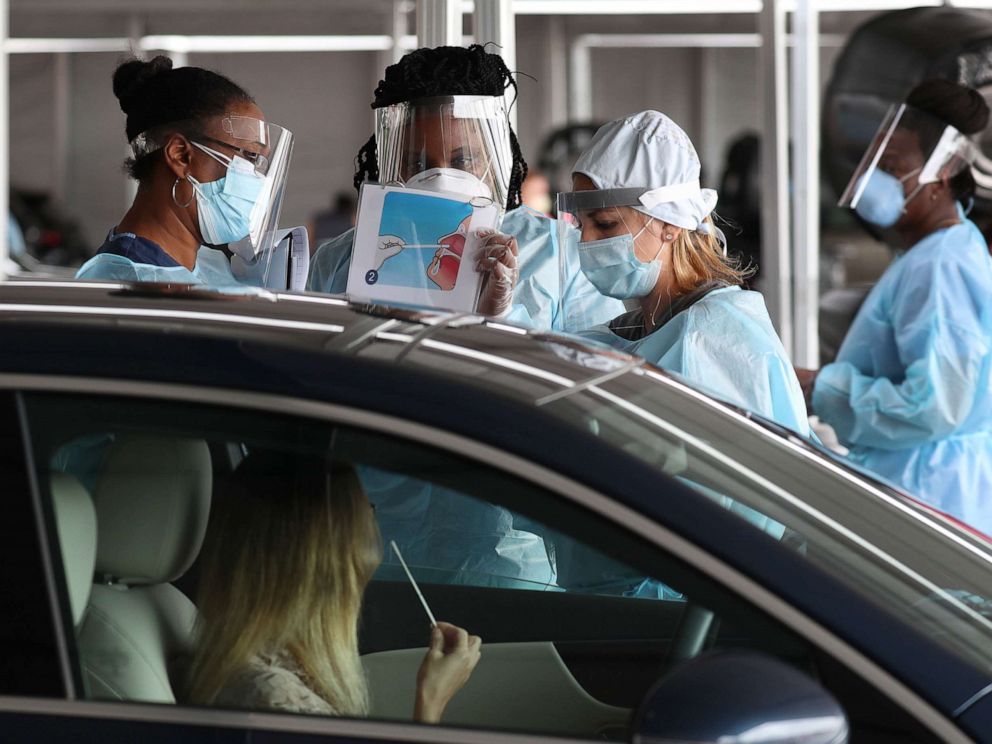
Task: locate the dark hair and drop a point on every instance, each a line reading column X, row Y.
column 952, row 105
column 152, row 94
column 444, row 71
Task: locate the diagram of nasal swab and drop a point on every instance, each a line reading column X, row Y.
column 430, row 615
column 390, row 245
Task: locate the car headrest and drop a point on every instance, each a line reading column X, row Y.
column 152, row 503
column 75, row 521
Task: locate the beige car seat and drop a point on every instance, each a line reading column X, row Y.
column 152, row 503
column 75, row 521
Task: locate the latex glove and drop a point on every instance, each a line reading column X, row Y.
column 497, row 263
column 807, row 381
column 449, row 662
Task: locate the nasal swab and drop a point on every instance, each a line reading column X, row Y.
column 430, row 615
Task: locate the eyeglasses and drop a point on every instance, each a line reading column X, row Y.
column 255, row 158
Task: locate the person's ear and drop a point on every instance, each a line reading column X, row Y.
column 669, row 233
column 178, row 154
column 941, row 187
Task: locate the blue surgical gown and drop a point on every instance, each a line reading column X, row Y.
column 909, row 392
column 725, row 345
column 450, row 537
column 125, row 257
column 538, row 292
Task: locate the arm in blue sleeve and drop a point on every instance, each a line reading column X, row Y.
column 330, row 264
column 942, row 337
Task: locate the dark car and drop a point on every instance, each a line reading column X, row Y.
column 796, row 599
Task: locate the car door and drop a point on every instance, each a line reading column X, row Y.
column 570, row 656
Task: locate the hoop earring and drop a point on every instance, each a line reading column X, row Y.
column 192, row 194
column 669, row 237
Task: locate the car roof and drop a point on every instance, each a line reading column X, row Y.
column 530, row 364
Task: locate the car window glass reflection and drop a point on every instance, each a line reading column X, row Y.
column 239, row 565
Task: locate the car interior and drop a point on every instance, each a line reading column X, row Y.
column 130, row 485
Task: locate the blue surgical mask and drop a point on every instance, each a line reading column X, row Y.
column 884, row 200
column 615, row 270
column 224, row 206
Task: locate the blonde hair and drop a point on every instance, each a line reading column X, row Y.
column 289, row 551
column 697, row 259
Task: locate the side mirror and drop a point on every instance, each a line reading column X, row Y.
column 739, row 697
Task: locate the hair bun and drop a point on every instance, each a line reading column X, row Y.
column 134, row 74
column 962, row 107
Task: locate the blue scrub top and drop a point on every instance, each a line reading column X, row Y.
column 136, row 249
column 539, row 291
column 910, row 392
column 725, row 345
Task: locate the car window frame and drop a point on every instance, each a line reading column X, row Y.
column 623, row 516
column 27, row 512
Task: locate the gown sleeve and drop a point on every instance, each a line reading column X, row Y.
column 940, row 327
column 330, row 264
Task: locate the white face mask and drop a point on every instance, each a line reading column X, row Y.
column 450, row 180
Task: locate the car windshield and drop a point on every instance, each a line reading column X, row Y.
column 918, row 564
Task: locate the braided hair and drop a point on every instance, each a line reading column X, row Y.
column 152, row 94
column 444, row 71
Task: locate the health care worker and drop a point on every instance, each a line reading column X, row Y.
column 441, row 124
column 909, row 391
column 647, row 237
column 210, row 174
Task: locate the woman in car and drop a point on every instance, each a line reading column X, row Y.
column 648, row 237
column 909, row 392
column 289, row 551
column 209, row 170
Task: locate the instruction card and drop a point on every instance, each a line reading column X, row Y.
column 416, row 247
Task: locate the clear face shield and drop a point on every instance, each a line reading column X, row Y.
column 910, row 150
column 616, row 246
column 457, row 144
column 241, row 209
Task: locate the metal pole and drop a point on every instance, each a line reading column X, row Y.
column 806, row 179
column 775, row 252
column 399, row 28
column 4, row 139
column 61, row 115
column 494, row 22
column 579, row 83
column 135, row 32
column 439, row 23
column 558, row 78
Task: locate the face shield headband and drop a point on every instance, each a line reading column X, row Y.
column 649, row 201
column 908, row 143
column 444, row 135
column 245, row 203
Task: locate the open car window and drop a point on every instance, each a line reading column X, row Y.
column 557, row 592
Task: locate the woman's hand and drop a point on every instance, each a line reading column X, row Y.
column 807, row 380
column 449, row 662
column 497, row 263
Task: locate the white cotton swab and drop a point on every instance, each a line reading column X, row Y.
column 430, row 615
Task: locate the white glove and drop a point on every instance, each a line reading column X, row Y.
column 497, row 263
column 387, row 246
